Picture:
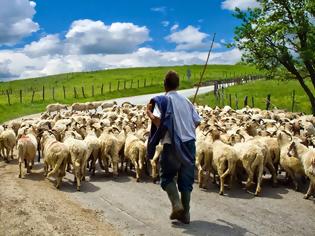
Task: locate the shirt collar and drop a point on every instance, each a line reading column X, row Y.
column 171, row 92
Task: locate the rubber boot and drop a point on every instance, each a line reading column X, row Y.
column 177, row 208
column 185, row 197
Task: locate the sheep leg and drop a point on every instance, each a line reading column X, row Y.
column 292, row 176
column 38, row 151
column 25, row 163
column 273, row 173
column 20, row 169
column 78, row 183
column 137, row 171
column 200, row 176
column 310, row 190
column 222, row 176
column 45, row 168
column 259, row 180
column 28, row 167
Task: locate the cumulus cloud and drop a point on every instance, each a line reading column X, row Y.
column 21, row 66
column 242, row 4
column 92, row 37
column 48, row 45
column 16, row 20
column 190, row 39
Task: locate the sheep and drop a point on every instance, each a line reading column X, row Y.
column 204, row 158
column 56, row 155
column 56, row 107
column 110, row 151
column 7, row 142
column 224, row 156
column 94, row 147
column 135, row 152
column 27, row 147
column 154, row 160
column 108, row 104
column 79, row 152
column 307, row 157
column 252, row 158
column 79, row 107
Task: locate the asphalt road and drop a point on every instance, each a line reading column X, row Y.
column 144, row 99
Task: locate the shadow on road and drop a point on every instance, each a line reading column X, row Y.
column 200, row 227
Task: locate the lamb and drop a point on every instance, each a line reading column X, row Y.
column 56, row 156
column 307, row 157
column 7, row 142
column 79, row 152
column 94, row 147
column 27, row 147
column 56, row 107
column 108, row 104
column 224, row 156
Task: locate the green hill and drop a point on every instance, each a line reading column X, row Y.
column 104, row 84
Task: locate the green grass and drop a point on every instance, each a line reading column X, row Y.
column 109, row 78
column 281, row 95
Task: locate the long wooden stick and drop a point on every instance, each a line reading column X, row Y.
column 204, row 69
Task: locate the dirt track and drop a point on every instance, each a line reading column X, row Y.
column 32, row 206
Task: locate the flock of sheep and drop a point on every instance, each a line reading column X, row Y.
column 232, row 145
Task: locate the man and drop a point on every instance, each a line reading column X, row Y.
column 174, row 120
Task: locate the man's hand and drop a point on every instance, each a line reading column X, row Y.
column 155, row 120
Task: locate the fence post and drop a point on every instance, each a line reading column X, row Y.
column 110, row 86
column 33, row 94
column 131, row 83
column 75, row 92
column 245, row 101
column 124, row 84
column 293, row 100
column 83, row 91
column 138, row 83
column 230, row 100
column 64, row 92
column 20, row 96
column 102, row 89
column 53, row 93
column 43, row 93
column 268, row 102
column 236, row 102
column 93, row 90
column 145, row 83
column 8, row 94
column 253, row 102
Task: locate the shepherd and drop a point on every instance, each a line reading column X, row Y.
column 174, row 121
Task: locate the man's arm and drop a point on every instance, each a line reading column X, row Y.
column 155, row 120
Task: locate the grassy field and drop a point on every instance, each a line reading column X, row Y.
column 281, row 95
column 150, row 81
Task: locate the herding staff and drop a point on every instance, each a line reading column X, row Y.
column 204, row 69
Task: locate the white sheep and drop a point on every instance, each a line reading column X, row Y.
column 56, row 107
column 56, row 156
column 7, row 142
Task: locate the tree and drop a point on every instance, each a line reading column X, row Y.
column 280, row 34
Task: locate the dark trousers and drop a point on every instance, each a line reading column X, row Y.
column 171, row 165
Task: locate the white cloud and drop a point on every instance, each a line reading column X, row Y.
column 48, row 45
column 242, row 4
column 161, row 9
column 18, row 65
column 165, row 23
column 174, row 27
column 16, row 20
column 91, row 37
column 190, row 39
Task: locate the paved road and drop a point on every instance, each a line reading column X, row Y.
column 144, row 99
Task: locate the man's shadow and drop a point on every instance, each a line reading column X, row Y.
column 200, row 227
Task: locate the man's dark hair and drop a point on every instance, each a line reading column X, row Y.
column 171, row 81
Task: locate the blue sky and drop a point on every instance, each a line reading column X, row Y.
column 43, row 37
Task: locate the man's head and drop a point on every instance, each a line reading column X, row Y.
column 171, row 81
